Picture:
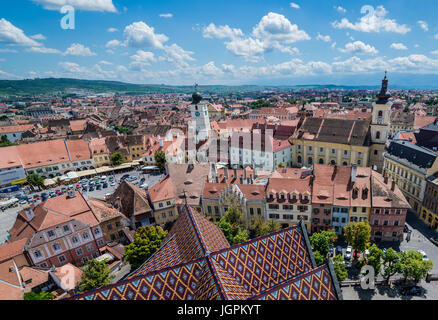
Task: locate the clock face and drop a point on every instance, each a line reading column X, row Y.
column 197, row 113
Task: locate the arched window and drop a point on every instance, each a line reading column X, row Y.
column 378, row 135
column 321, row 161
column 345, row 163
column 333, row 162
column 310, row 160
column 299, row 159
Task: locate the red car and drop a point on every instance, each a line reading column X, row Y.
column 78, row 186
column 58, row 191
column 36, row 197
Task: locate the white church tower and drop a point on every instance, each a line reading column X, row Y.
column 200, row 118
column 380, row 126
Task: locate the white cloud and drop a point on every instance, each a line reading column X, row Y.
column 273, row 32
column 373, row 21
column 77, row 49
column 211, row 69
column 434, row 52
column 228, row 68
column 113, row 43
column 12, row 35
column 38, row 36
column 72, row 67
column 249, row 49
column 107, row 63
column 221, row 32
column 333, row 45
column 85, row 5
column 112, row 30
column 276, row 27
column 358, row 47
column 166, row 15
column 340, row 9
column 423, row 25
column 43, row 50
column 436, row 36
column 323, row 38
column 140, row 35
column 398, row 46
column 294, row 5
column 177, row 55
column 141, row 60
column 8, row 51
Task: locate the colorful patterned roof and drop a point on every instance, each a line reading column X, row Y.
column 274, row 266
column 191, row 237
column 316, row 284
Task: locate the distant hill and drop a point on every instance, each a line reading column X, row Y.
column 61, row 86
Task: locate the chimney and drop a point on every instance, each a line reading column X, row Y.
column 28, row 211
column 71, row 194
column 161, row 143
column 386, row 180
column 245, row 175
column 226, row 173
column 392, row 185
column 241, row 179
column 353, row 174
column 150, row 141
column 235, row 173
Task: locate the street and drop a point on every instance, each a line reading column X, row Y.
column 7, row 217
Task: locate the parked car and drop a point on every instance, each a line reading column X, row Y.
column 84, row 188
column 78, row 186
column 142, row 180
column 98, row 186
column 411, row 291
column 36, row 197
column 105, row 185
column 434, row 240
column 59, row 191
column 111, row 178
column 423, row 254
column 63, row 189
column 338, row 250
column 92, row 183
column 112, row 184
column 52, row 194
column 91, row 188
column 23, row 201
column 144, row 186
column 103, row 178
column 124, row 177
column 29, row 199
column 348, row 251
column 406, row 228
column 331, row 251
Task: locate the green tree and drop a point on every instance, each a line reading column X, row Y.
column 358, row 235
column 323, row 241
column 340, row 268
column 160, row 160
column 38, row 296
column 391, row 264
column 261, row 227
column 4, row 142
column 147, row 240
column 281, row 165
column 413, row 266
column 319, row 258
column 35, row 180
column 96, row 274
column 375, row 259
column 232, row 226
column 116, row 159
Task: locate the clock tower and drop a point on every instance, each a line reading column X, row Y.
column 200, row 118
column 380, row 126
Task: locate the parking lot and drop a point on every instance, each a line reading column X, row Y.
column 7, row 217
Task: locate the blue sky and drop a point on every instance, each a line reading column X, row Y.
column 222, row 42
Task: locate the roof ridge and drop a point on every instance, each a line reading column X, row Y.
column 197, row 231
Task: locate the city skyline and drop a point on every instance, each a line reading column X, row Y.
column 275, row 43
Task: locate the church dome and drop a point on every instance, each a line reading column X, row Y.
column 196, row 98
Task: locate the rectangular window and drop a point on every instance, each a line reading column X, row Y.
column 74, row 240
column 251, row 211
column 61, row 259
column 163, row 215
column 259, row 211
column 56, row 247
column 376, row 222
column 396, row 222
column 85, row 235
column 50, row 233
column 79, row 251
column 38, row 254
column 109, row 227
column 209, row 209
column 66, row 228
column 90, row 247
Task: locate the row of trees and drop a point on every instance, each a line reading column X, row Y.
column 233, row 226
column 387, row 263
